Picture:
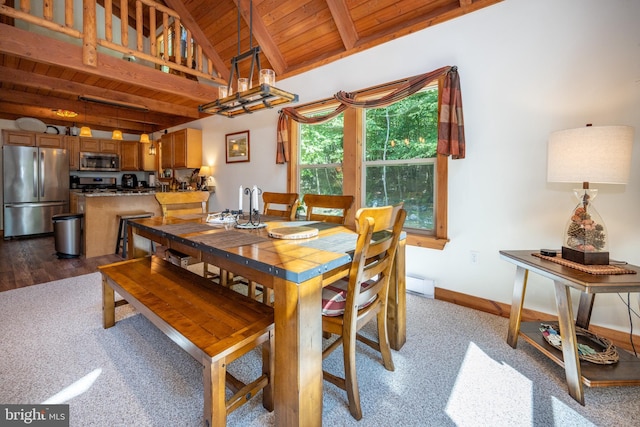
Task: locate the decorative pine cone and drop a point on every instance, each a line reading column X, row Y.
column 575, row 230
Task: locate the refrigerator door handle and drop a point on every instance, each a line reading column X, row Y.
column 34, row 205
column 42, row 174
column 35, row 174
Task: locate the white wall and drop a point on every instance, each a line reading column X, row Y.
column 527, row 69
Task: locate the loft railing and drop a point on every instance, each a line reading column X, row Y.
column 157, row 14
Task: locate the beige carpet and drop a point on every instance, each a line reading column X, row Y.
column 455, row 370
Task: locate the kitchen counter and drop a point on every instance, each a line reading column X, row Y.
column 114, row 193
column 100, row 216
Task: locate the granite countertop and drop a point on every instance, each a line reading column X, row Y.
column 116, row 193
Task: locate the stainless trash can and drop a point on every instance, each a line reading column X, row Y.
column 67, row 231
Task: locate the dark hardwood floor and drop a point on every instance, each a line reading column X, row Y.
column 31, row 261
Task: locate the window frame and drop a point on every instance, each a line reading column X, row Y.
column 353, row 163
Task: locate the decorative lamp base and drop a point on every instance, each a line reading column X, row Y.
column 585, row 258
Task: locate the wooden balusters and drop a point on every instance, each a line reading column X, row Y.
column 124, row 23
column 108, row 20
column 68, row 13
column 47, row 10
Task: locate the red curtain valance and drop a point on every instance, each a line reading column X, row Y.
column 451, row 140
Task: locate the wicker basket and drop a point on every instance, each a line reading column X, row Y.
column 607, row 355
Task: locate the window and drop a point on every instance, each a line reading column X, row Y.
column 166, row 50
column 400, row 156
column 321, row 156
column 382, row 156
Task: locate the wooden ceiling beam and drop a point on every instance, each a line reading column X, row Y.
column 35, row 47
column 94, row 119
column 52, row 103
column 264, row 39
column 418, row 23
column 54, row 84
column 346, row 28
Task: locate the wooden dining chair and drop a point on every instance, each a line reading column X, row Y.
column 328, row 207
column 184, row 203
column 361, row 296
column 282, row 205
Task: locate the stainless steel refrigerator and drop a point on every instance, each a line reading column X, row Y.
column 36, row 187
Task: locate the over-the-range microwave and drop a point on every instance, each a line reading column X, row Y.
column 99, row 162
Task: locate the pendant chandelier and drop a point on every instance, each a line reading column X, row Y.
column 85, row 130
column 248, row 99
column 144, row 138
column 117, row 133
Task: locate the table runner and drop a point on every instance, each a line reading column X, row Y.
column 339, row 242
column 591, row 269
column 229, row 239
column 184, row 228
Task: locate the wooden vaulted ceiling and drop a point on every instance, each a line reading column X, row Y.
column 39, row 74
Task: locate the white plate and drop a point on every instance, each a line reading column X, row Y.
column 31, row 124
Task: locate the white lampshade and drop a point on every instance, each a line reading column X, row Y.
column 598, row 154
column 204, row 171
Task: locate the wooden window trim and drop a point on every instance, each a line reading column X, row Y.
column 353, row 149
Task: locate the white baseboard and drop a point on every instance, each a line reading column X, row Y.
column 421, row 286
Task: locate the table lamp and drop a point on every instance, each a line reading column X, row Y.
column 592, row 154
column 204, row 174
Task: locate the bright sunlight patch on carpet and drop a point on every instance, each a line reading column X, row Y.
column 75, row 389
column 485, row 392
column 483, row 387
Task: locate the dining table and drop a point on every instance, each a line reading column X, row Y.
column 296, row 269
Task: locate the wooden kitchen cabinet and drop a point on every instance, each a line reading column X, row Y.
column 14, row 137
column 181, row 149
column 32, row 139
column 93, row 145
column 50, row 141
column 73, row 151
column 129, row 155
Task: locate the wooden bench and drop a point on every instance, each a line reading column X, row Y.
column 213, row 324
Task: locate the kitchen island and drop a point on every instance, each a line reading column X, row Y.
column 100, row 216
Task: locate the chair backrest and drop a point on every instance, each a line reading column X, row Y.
column 280, row 204
column 328, row 208
column 379, row 231
column 183, row 202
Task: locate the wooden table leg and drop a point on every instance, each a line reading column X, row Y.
column 298, row 353
column 517, row 302
column 584, row 310
column 397, row 300
column 108, row 305
column 569, row 342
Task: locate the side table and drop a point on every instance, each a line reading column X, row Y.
column 625, row 372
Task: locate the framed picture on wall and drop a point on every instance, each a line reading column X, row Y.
column 237, row 147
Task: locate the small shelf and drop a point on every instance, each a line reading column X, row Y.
column 624, row 373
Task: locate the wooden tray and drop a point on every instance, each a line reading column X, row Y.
column 299, row 232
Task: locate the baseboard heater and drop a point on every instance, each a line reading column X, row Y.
column 421, row 286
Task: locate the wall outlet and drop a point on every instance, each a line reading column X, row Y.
column 473, row 257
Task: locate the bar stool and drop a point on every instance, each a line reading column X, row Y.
column 122, row 229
